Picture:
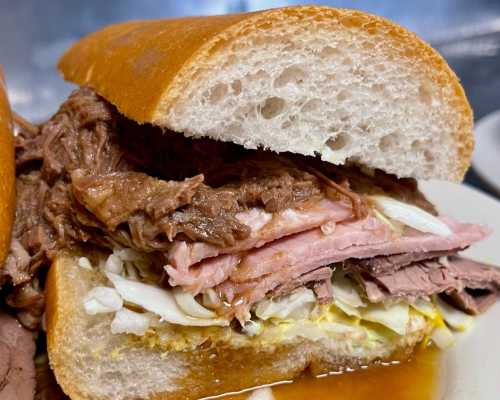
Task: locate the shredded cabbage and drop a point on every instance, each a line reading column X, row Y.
column 190, row 306
column 102, row 300
column 344, row 290
column 84, row 263
column 395, row 317
column 127, row 321
column 158, row 301
column 410, row 215
column 113, row 264
column 442, row 337
column 425, row 307
column 347, row 309
column 296, row 305
column 210, row 298
column 340, row 328
column 252, row 328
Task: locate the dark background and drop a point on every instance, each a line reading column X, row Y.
column 35, row 33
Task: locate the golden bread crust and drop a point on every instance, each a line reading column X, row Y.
column 144, row 67
column 7, row 172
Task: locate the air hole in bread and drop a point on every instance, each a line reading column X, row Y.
column 338, row 142
column 235, row 128
column 287, row 124
column 428, row 156
column 424, row 94
column 419, row 144
column 342, row 95
column 329, row 51
column 388, row 141
column 311, row 105
column 260, row 75
column 368, row 45
column 217, row 93
column 347, row 61
column 293, row 74
column 236, row 86
column 272, row 107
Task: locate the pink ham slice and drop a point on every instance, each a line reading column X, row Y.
column 362, row 239
column 265, row 228
column 263, row 270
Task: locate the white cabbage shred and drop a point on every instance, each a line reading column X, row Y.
column 128, row 321
column 190, row 306
column 410, row 215
column 158, row 301
column 84, row 263
column 442, row 337
column 395, row 316
column 264, row 393
column 296, row 305
column 102, row 299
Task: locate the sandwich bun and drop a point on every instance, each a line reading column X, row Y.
column 342, row 84
column 7, row 172
column 92, row 363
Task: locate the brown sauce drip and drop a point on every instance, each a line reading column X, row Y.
column 416, row 379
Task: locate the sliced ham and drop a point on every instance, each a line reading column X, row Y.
column 361, row 239
column 214, row 271
column 263, row 270
column 264, row 227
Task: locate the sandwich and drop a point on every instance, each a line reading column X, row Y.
column 228, row 201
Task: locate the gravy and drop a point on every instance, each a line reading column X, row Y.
column 416, row 379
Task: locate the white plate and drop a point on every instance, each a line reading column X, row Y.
column 471, row 369
column 486, row 159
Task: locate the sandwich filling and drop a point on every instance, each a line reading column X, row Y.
column 212, row 237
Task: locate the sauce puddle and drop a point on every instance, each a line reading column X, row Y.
column 416, row 379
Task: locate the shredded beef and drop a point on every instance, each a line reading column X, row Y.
column 472, row 301
column 404, row 189
column 382, row 265
column 320, row 275
column 115, row 197
column 466, row 281
column 91, row 176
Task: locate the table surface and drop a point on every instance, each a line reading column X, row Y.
column 35, row 34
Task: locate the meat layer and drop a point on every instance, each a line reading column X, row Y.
column 17, row 368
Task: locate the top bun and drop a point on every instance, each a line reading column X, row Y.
column 342, row 84
column 7, row 172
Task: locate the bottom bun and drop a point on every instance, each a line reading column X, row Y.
column 92, row 363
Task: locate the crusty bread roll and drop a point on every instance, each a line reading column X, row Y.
column 342, row 84
column 91, row 363
column 7, row 172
